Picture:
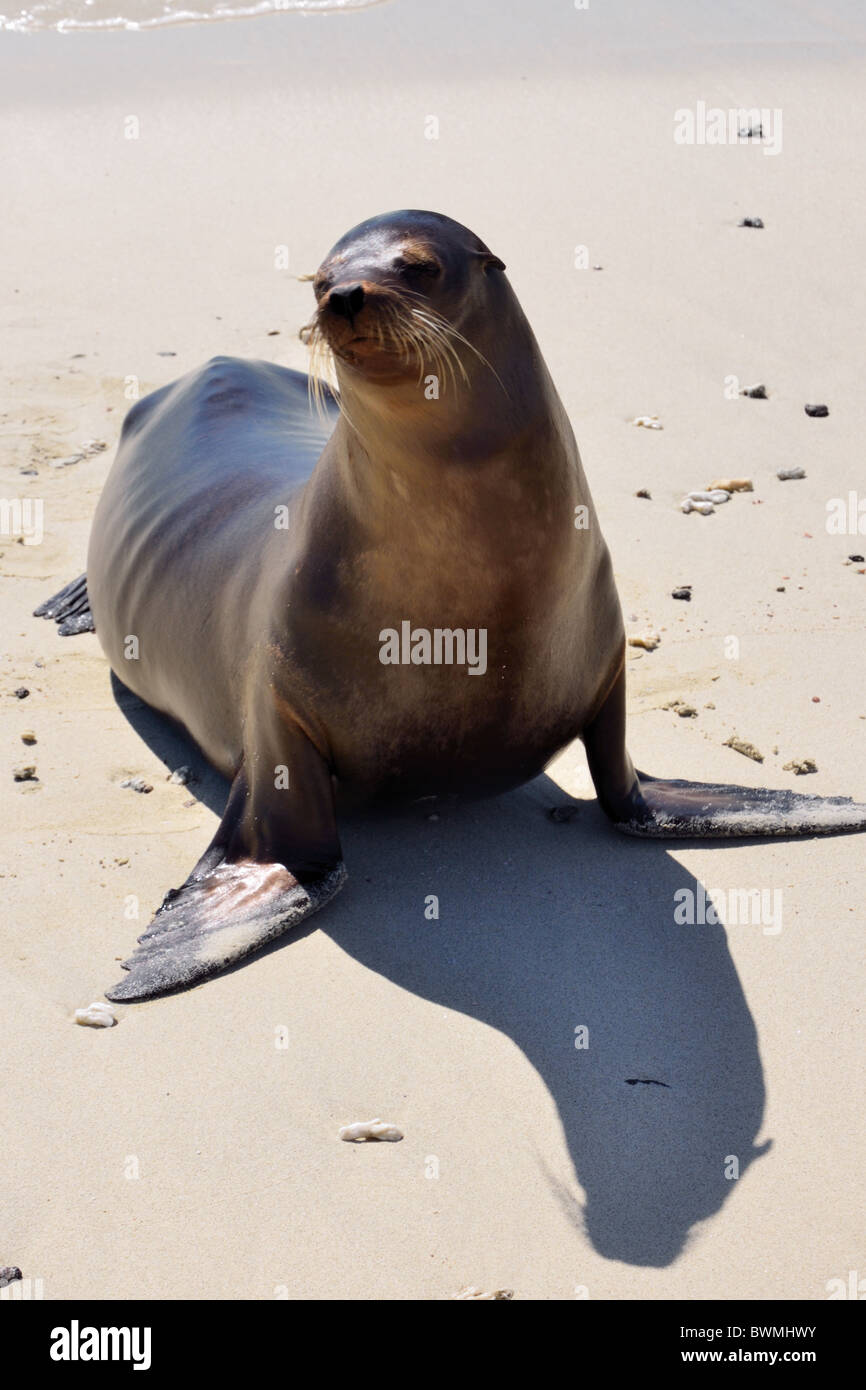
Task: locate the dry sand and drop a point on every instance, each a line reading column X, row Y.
column 184, row 1154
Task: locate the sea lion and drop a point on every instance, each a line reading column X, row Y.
column 388, row 595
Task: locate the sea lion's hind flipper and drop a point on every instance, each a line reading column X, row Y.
column 216, row 919
column 694, row 810
column 70, row 609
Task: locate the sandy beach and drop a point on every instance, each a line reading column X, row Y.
column 166, row 194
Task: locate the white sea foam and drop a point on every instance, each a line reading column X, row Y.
column 68, row 16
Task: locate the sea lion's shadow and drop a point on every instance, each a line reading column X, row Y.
column 545, row 928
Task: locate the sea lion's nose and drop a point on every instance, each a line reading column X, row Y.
column 346, row 300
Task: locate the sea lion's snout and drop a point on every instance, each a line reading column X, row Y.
column 346, row 301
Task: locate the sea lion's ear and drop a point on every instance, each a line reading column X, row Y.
column 492, row 262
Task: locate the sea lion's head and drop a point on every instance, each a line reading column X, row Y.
column 398, row 297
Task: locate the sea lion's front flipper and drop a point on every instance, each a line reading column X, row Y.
column 70, row 608
column 649, row 806
column 274, row 860
column 693, row 810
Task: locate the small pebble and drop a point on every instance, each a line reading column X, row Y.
column 785, row 475
column 687, row 712
column 800, row 766
column 371, row 1129
column 684, row 592
column 816, row 699
column 21, row 693
column 28, row 737
column 643, row 492
column 273, row 333
column 780, row 588
column 181, row 776
column 690, row 505
column 136, row 784
column 648, row 640
column 24, row 773
column 751, row 222
column 563, row 814
column 166, row 354
column 817, row 411
column 741, row 745
column 648, row 422
column 65, row 463
column 96, row 1015
column 858, row 559
column 755, row 393
column 9, row 1274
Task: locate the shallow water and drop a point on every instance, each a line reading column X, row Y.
column 69, row 15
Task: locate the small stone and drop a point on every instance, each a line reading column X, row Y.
column 643, row 492
column 9, row 1274
column 751, row 222
column 136, row 784
column 741, row 745
column 687, row 712
column 816, row 411
column 800, row 766
column 98, row 1015
column 709, row 705
column 816, row 699
column 755, row 393
column 273, row 333
column 181, row 776
column 28, row 737
column 24, row 773
column 562, row 814
column 786, row 475
column 371, row 1129
column 166, row 354
column 858, row 559
column 648, row 640
column 684, row 592
column 780, row 588
column 21, row 693
column 65, row 463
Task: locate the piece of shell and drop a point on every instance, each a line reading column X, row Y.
column 136, row 784
column 371, row 1129
column 690, row 505
column 648, row 422
column 471, row 1292
column 800, row 766
column 732, row 485
column 648, row 640
column 716, row 495
column 97, row 1015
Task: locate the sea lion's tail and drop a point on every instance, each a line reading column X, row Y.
column 694, row 810
column 70, row 608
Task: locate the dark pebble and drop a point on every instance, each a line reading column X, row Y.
column 22, row 692
column 751, row 222
column 643, row 492
column 9, row 1274
column 685, row 592
column 858, row 559
column 818, row 411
